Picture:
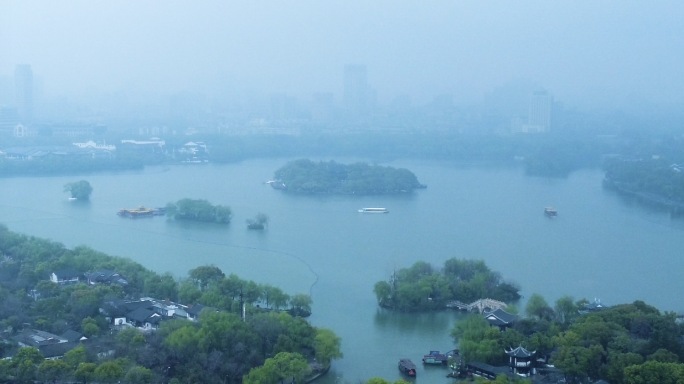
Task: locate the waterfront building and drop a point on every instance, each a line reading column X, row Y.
column 500, row 318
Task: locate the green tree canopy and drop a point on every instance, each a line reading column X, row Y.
column 424, row 287
column 327, row 346
column 306, row 176
column 198, row 210
column 80, row 190
column 283, row 366
column 538, row 307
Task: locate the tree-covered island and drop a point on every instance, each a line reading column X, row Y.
column 198, row 210
column 260, row 221
column 79, row 190
column 423, row 287
column 329, row 177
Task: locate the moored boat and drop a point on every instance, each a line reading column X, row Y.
column 550, row 211
column 374, row 210
column 141, row 212
column 435, row 357
column 407, row 367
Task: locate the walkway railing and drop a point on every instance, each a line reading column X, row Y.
column 481, row 305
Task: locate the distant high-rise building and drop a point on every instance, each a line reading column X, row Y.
column 23, row 86
column 539, row 114
column 356, row 90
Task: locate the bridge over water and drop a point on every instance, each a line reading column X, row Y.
column 482, row 305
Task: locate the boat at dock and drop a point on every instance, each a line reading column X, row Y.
column 550, row 212
column 436, row 357
column 373, row 210
column 439, row 358
column 407, row 367
column 141, row 212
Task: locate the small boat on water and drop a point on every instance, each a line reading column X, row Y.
column 407, row 367
column 436, row 357
column 373, row 210
column 141, row 212
column 550, row 212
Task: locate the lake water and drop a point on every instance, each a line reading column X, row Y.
column 600, row 246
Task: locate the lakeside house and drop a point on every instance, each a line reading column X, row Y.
column 147, row 313
column 105, row 276
column 65, row 276
column 500, row 318
column 51, row 346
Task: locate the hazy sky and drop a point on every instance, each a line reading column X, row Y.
column 581, row 51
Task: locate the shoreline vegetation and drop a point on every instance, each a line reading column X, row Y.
column 198, row 210
column 647, row 169
column 329, row 177
column 422, row 287
column 260, row 320
column 656, row 181
column 572, row 341
column 620, row 343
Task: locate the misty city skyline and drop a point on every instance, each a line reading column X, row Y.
column 588, row 54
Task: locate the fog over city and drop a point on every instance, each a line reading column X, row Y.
column 587, row 54
column 291, row 191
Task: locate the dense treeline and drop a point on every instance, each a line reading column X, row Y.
column 60, row 165
column 545, row 154
column 424, row 287
column 198, row 210
column 572, row 152
column 659, row 180
column 558, row 159
column 628, row 343
column 220, row 347
column 550, row 154
column 306, row 176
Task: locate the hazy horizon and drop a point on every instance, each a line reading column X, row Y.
column 586, row 53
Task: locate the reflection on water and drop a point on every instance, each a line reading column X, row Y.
column 408, row 323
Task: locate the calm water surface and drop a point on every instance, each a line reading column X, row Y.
column 600, row 246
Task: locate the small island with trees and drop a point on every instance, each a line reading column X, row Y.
column 198, row 210
column 329, row 177
column 259, row 222
column 79, row 190
column 423, row 287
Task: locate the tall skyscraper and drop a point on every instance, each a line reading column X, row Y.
column 539, row 114
column 23, row 86
column 356, row 91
